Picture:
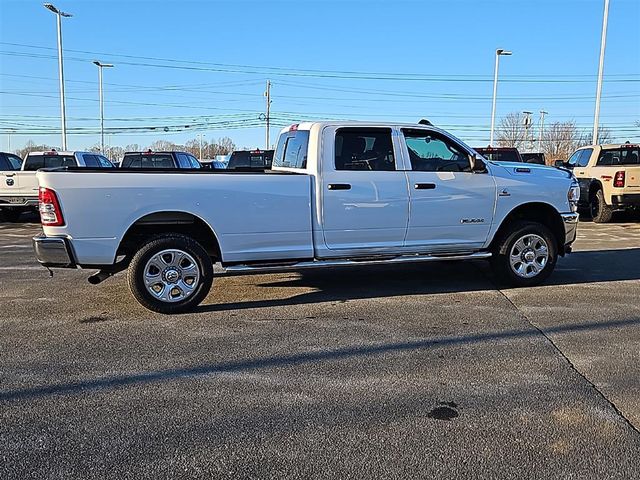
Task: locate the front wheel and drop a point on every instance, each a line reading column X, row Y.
column 170, row 274
column 525, row 255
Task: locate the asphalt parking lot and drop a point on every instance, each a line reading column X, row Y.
column 416, row 371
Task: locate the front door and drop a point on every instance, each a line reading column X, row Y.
column 365, row 200
column 451, row 206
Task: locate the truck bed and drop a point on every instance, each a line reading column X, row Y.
column 275, row 218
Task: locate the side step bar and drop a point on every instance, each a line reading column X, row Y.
column 354, row 262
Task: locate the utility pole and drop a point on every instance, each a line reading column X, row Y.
column 540, row 133
column 63, row 117
column 527, row 125
column 603, row 41
column 267, row 117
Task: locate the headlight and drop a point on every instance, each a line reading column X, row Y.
column 573, row 195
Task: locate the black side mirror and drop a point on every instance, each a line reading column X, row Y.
column 560, row 164
column 477, row 164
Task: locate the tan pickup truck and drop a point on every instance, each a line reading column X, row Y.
column 609, row 177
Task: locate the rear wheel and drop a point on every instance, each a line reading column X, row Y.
column 525, row 255
column 600, row 211
column 170, row 274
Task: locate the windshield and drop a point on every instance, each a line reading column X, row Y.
column 148, row 160
column 251, row 159
column 36, row 162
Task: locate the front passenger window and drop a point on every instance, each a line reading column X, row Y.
column 432, row 152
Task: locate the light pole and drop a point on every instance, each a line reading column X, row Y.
column 199, row 136
column 603, row 41
column 63, row 117
column 540, row 133
column 499, row 52
column 100, row 67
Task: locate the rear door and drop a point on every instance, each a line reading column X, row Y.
column 365, row 202
column 451, row 206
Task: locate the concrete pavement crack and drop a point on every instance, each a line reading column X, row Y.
column 569, row 362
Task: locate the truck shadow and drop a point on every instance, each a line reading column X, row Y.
column 352, row 283
column 300, row 359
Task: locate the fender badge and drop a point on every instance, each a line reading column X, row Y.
column 10, row 181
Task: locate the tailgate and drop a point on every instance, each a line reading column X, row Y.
column 633, row 177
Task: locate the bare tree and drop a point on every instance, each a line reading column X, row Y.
column 163, row 145
column 31, row 146
column 511, row 131
column 223, row 146
column 559, row 141
column 586, row 137
column 132, row 147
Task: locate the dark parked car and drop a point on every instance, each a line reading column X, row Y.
column 250, row 159
column 500, row 154
column 159, row 160
column 9, row 162
column 531, row 157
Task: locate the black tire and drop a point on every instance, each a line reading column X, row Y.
column 501, row 258
column 600, row 211
column 10, row 215
column 173, row 241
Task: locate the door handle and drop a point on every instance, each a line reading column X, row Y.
column 424, row 186
column 339, row 186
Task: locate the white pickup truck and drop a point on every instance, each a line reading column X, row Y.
column 19, row 188
column 338, row 194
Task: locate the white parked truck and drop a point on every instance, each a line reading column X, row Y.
column 338, row 194
column 19, row 188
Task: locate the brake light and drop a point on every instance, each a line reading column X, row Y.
column 618, row 180
column 49, row 207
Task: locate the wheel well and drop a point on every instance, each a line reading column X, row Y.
column 535, row 212
column 594, row 186
column 169, row 222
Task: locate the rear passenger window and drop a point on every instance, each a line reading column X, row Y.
column 183, row 160
column 364, row 149
column 291, row 151
column 194, row 161
column 35, row 162
column 91, row 161
column 619, row 156
column 433, row 152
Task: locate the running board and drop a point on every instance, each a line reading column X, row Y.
column 353, row 262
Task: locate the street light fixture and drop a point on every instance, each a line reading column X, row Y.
column 100, row 67
column 63, row 118
column 499, row 52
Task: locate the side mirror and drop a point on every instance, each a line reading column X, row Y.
column 560, row 164
column 477, row 164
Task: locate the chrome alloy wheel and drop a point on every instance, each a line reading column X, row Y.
column 171, row 275
column 529, row 255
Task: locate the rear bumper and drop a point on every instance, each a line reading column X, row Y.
column 570, row 222
column 53, row 252
column 19, row 201
column 627, row 200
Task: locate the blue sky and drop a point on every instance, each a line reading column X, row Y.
column 194, row 67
